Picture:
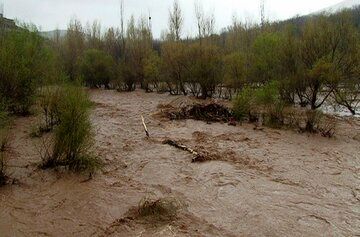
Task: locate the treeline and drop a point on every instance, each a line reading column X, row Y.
column 311, row 62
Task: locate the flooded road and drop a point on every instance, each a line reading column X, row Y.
column 260, row 183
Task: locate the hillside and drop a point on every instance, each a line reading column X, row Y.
column 347, row 4
column 52, row 34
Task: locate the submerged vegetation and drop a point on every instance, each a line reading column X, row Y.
column 73, row 137
column 4, row 140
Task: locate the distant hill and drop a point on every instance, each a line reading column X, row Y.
column 53, row 33
column 347, row 4
column 350, row 6
column 7, row 24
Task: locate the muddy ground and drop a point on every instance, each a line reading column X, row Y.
column 260, row 182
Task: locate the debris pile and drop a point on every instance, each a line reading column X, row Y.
column 210, row 111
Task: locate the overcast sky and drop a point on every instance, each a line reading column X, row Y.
column 52, row 14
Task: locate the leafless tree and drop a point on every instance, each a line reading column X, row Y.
column 176, row 21
column 205, row 22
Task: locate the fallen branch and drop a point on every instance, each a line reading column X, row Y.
column 145, row 128
column 197, row 157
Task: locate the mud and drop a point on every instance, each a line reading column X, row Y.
column 261, row 182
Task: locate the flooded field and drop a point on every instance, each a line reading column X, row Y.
column 260, row 182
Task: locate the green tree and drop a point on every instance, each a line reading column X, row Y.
column 74, row 48
column 205, row 67
column 328, row 55
column 25, row 63
column 265, row 58
column 97, row 68
column 235, row 71
column 175, row 62
column 152, row 71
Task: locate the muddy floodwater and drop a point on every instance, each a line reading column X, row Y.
column 262, row 182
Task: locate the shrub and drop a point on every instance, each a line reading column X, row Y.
column 327, row 126
column 49, row 101
column 4, row 139
column 160, row 209
column 25, row 62
column 4, row 123
column 97, row 68
column 313, row 119
column 268, row 94
column 275, row 114
column 264, row 102
column 73, row 136
column 3, row 177
column 243, row 103
column 4, row 129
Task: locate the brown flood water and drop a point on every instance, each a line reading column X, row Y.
column 263, row 183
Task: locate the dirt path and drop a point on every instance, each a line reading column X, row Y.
column 262, row 183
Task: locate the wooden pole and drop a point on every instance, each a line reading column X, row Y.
column 145, row 128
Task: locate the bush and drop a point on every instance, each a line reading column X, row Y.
column 4, row 129
column 4, row 139
column 73, row 136
column 243, row 103
column 313, row 119
column 3, row 177
column 25, row 62
column 97, row 68
column 49, row 101
column 264, row 101
column 275, row 115
column 328, row 126
column 162, row 209
column 268, row 99
column 268, row 94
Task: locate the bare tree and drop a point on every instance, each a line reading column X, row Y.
column 176, row 21
column 93, row 35
column 205, row 22
column 122, row 29
column 208, row 25
column 199, row 15
column 262, row 13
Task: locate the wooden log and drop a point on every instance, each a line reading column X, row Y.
column 145, row 127
column 197, row 157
